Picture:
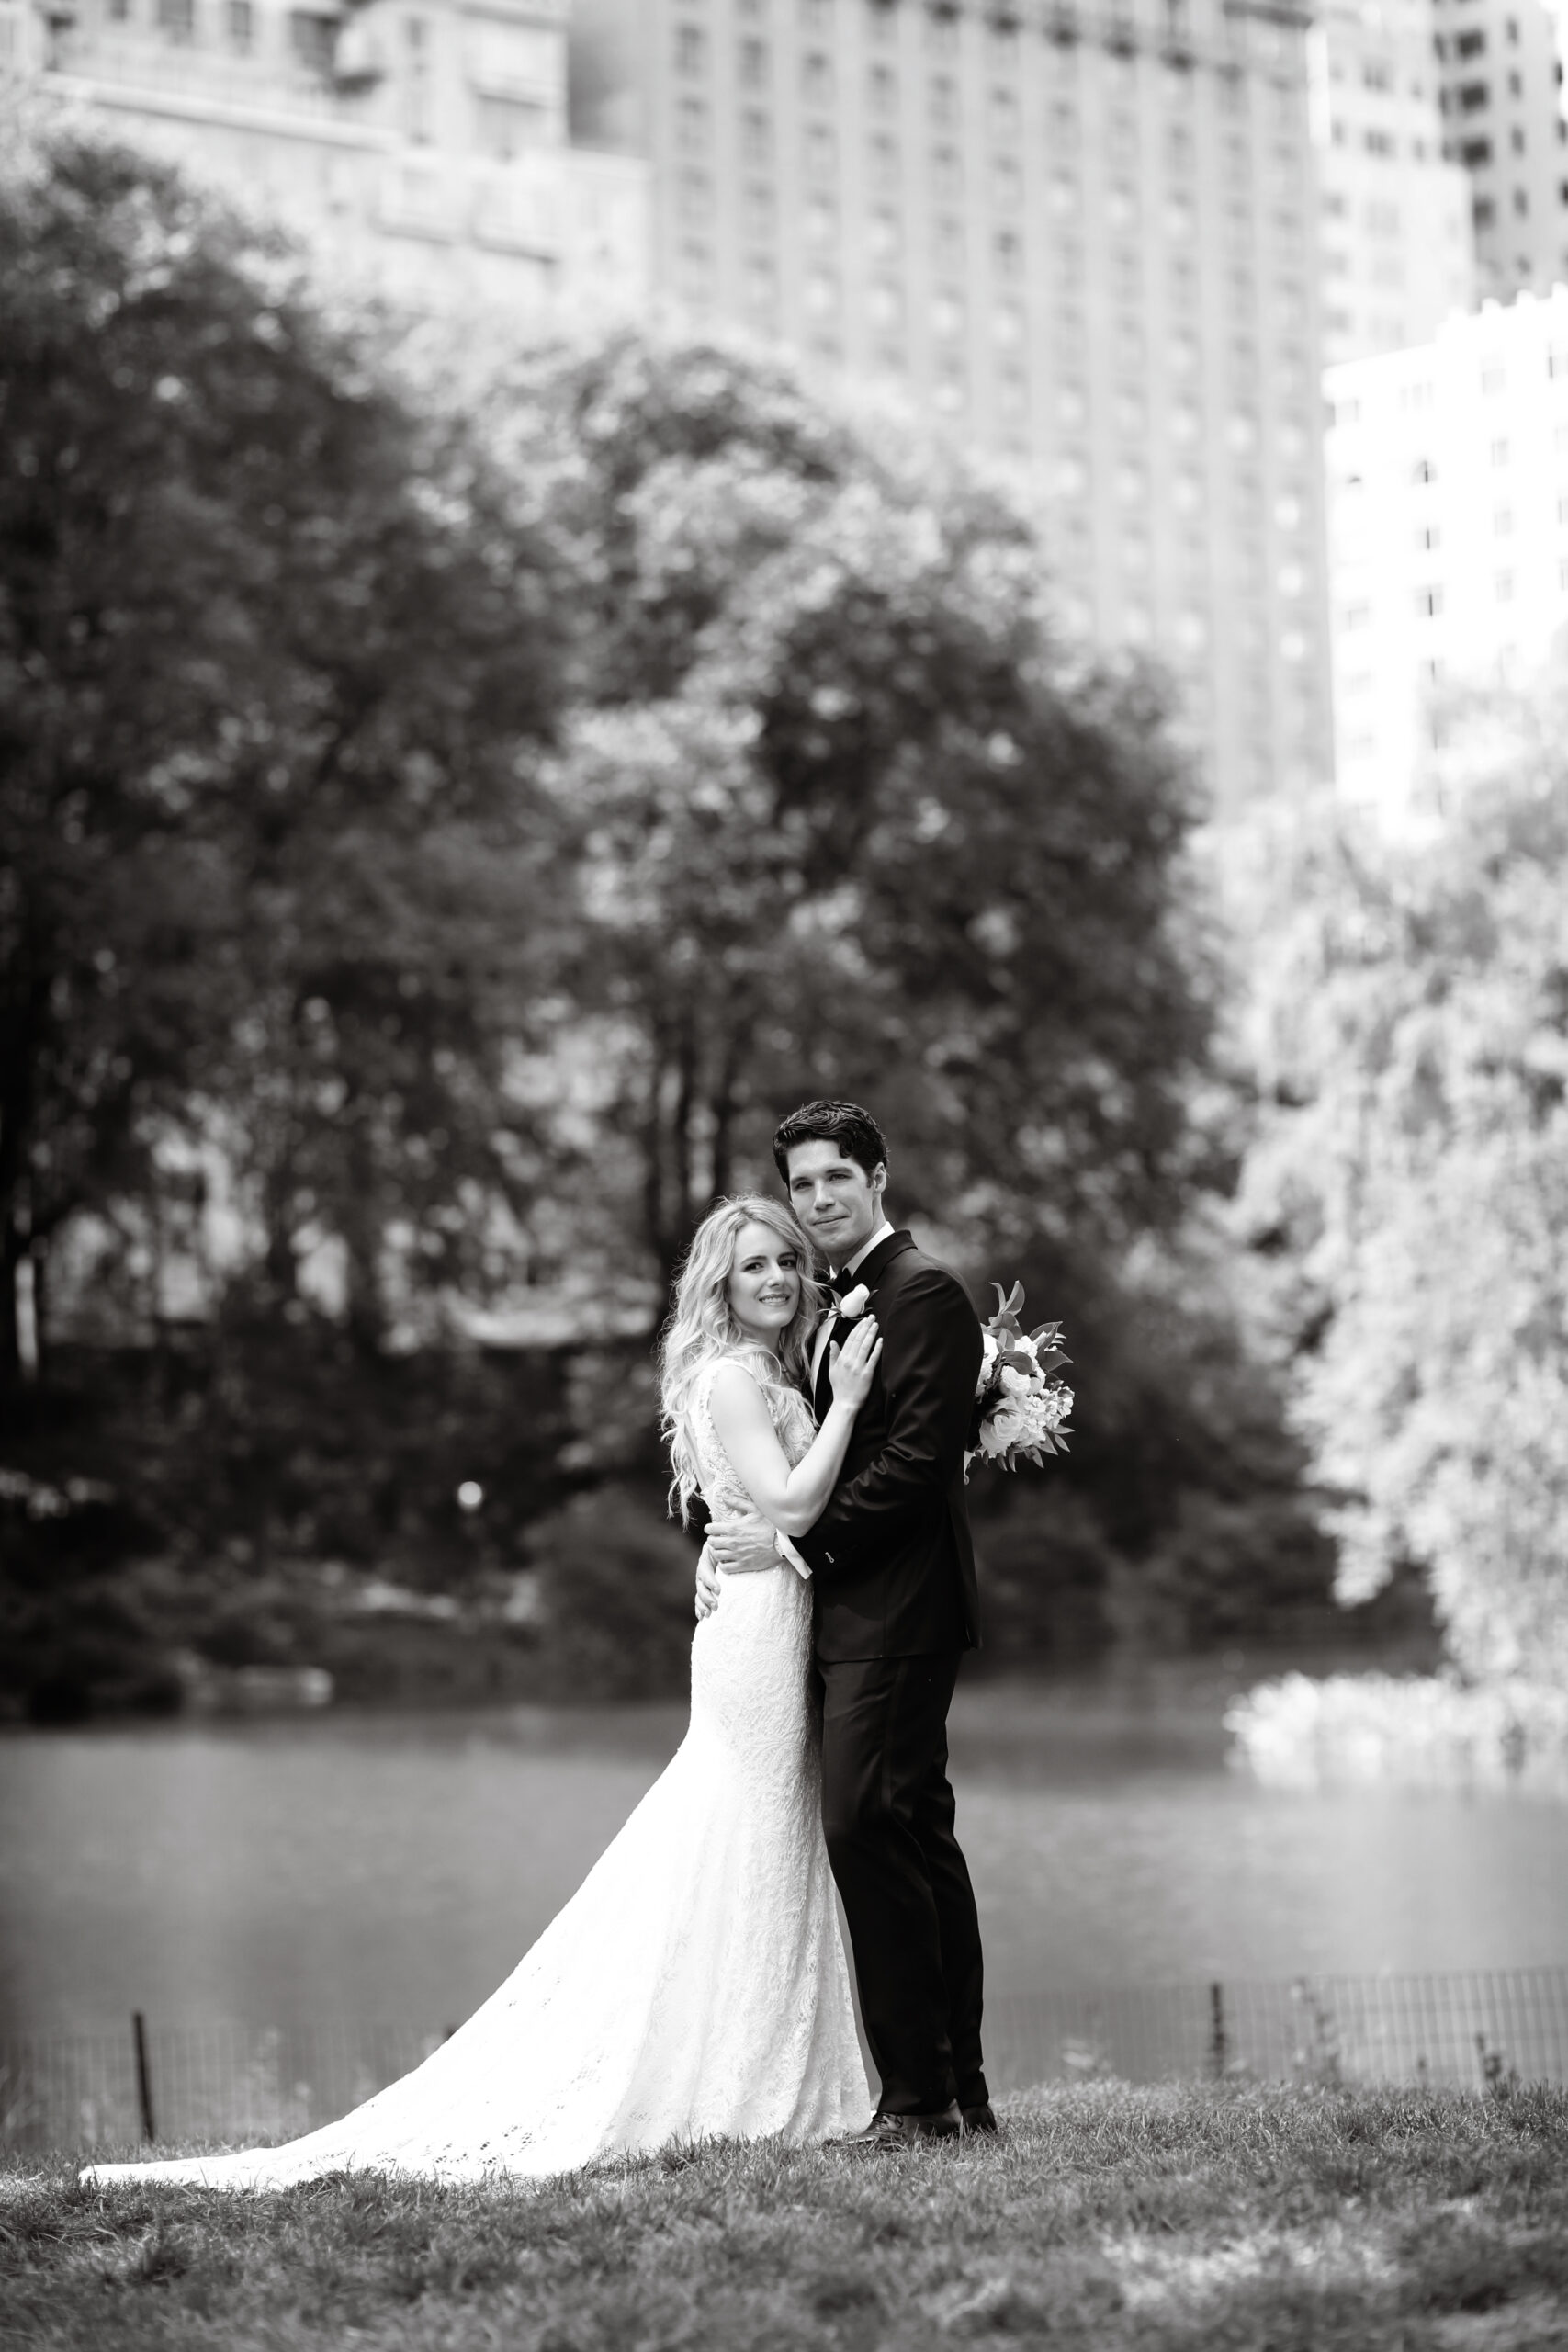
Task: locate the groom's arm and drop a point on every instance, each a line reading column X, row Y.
column 930, row 1361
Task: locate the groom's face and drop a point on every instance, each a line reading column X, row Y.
column 837, row 1203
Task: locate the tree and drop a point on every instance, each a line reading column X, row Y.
column 1408, row 1188
column 847, row 819
column 271, row 643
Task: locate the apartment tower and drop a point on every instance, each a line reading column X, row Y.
column 1398, row 247
column 421, row 146
column 1083, row 238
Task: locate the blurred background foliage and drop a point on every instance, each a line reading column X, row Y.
column 453, row 801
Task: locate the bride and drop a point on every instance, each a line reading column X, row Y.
column 695, row 1985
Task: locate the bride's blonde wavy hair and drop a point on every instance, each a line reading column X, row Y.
column 702, row 1326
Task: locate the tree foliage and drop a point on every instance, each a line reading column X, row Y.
column 845, row 819
column 268, row 644
column 448, row 806
column 1408, row 1193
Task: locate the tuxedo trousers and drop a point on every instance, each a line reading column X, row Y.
column 887, row 1815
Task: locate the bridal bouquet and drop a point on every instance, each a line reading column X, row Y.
column 1020, row 1407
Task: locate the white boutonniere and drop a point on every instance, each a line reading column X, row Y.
column 854, row 1302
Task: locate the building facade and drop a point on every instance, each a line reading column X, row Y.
column 1398, row 246
column 1449, row 541
column 1083, row 238
column 422, row 147
column 1500, row 89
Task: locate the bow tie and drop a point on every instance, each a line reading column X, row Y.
column 842, row 1281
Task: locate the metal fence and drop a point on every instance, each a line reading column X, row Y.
column 177, row 2084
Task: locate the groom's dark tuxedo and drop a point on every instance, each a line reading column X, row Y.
column 891, row 1555
column 892, row 1573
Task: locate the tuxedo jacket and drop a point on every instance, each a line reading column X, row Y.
column 892, row 1562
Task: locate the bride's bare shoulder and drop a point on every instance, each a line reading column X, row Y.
column 737, row 1400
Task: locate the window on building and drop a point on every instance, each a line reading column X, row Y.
column 691, row 50
column 1473, row 95
column 1502, row 587
column 694, row 197
column 694, row 270
column 885, row 233
column 758, row 210
column 1521, row 203
column 941, row 29
column 1470, row 44
column 691, row 125
column 177, row 19
column 941, row 101
column 242, row 24
column 1006, row 183
column 881, row 90
column 1007, row 253
column 756, row 138
column 1007, row 325
column 883, row 162
column 1004, row 114
column 753, row 65
column 816, row 16
column 1474, row 152
column 947, row 313
column 947, row 176
column 885, row 304
column 817, row 79
column 821, row 153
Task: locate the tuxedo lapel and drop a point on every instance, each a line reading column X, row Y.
column 869, row 1271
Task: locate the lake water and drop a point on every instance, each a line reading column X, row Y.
column 395, row 1866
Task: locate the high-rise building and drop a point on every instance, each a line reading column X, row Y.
column 1083, row 238
column 424, row 147
column 1500, row 95
column 1449, row 541
column 1398, row 251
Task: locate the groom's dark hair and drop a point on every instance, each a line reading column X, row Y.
column 854, row 1131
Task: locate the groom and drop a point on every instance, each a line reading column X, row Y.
column 893, row 1577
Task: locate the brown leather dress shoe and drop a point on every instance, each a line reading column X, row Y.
column 885, row 2134
column 979, row 2118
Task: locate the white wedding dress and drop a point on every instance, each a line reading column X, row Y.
column 694, row 1986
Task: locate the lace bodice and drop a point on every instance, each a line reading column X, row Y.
column 722, row 1489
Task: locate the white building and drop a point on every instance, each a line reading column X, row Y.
column 422, row 148
column 1448, row 484
column 1398, row 250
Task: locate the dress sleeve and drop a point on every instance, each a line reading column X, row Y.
column 930, row 1360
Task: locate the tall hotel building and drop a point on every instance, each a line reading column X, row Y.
column 1083, row 238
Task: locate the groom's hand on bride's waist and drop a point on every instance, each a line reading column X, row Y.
column 740, row 1546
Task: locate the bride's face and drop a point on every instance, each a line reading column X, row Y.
column 763, row 1289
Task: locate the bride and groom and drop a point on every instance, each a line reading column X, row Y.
column 697, row 1986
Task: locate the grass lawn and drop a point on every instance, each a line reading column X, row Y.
column 1275, row 2220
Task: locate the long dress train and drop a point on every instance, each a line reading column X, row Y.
column 695, row 1985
